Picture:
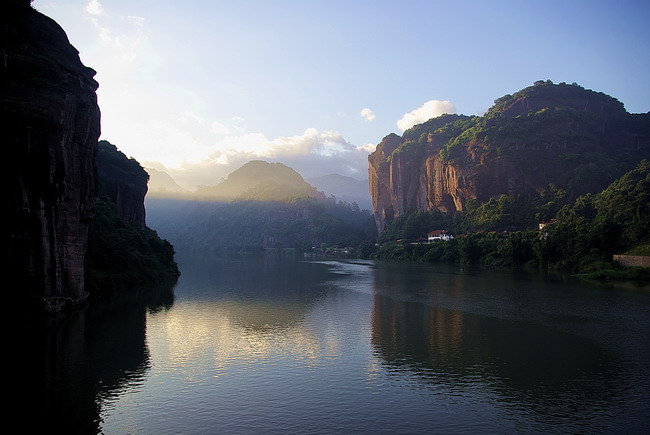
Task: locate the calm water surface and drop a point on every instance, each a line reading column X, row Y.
column 272, row 344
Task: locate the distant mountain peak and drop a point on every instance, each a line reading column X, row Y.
column 344, row 188
column 162, row 184
column 260, row 180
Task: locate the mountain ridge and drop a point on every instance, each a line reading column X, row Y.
column 344, row 188
column 542, row 136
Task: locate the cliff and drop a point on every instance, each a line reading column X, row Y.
column 123, row 181
column 122, row 251
column 51, row 123
column 543, row 137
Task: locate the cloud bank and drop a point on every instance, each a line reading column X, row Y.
column 430, row 109
column 196, row 151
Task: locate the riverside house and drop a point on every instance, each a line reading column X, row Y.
column 439, row 235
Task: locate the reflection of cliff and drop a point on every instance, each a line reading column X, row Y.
column 76, row 362
column 527, row 363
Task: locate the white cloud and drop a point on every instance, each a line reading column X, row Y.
column 367, row 114
column 190, row 151
column 430, row 109
column 219, row 128
column 369, row 147
column 141, row 116
column 94, row 7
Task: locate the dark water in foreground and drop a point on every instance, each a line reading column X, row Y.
column 273, row 345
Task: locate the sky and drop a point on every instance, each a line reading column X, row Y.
column 199, row 87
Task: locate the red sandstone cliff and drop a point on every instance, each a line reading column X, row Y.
column 563, row 135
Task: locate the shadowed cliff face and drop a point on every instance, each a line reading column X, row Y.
column 564, row 135
column 51, row 126
column 123, row 181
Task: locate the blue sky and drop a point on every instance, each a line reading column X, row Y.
column 199, row 87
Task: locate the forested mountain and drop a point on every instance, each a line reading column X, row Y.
column 261, row 181
column 543, row 139
column 244, row 225
column 162, row 184
column 583, row 235
column 259, row 205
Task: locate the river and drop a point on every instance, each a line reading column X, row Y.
column 272, row 344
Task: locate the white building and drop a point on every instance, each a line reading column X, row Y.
column 439, row 235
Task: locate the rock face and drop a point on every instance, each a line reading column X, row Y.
column 561, row 135
column 51, row 123
column 123, row 181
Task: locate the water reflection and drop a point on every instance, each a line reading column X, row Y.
column 555, row 375
column 267, row 343
column 242, row 311
column 75, row 361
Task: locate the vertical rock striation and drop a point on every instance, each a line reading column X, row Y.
column 541, row 137
column 51, row 126
column 123, row 181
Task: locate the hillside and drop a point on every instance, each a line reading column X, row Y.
column 300, row 223
column 260, row 205
column 540, row 139
column 122, row 250
column 583, row 237
column 260, row 181
column 162, row 184
column 346, row 189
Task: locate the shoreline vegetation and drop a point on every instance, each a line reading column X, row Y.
column 581, row 239
column 544, row 232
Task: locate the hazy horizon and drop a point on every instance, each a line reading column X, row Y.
column 196, row 90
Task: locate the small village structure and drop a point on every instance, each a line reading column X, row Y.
column 544, row 224
column 543, row 234
column 439, row 235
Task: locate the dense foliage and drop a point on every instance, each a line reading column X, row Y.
column 504, row 213
column 597, row 226
column 579, row 139
column 122, row 255
column 122, row 251
column 301, row 223
column 502, row 232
